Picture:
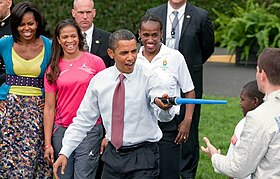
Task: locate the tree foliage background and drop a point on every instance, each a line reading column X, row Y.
column 115, row 14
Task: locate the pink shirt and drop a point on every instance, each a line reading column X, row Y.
column 71, row 85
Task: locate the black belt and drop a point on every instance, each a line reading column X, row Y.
column 132, row 147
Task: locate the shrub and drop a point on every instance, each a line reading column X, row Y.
column 116, row 14
column 254, row 26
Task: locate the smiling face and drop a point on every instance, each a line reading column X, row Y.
column 69, row 40
column 124, row 55
column 150, row 34
column 27, row 27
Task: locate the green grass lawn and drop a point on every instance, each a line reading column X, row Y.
column 217, row 122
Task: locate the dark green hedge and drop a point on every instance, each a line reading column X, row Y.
column 116, row 14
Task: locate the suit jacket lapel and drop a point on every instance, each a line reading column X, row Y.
column 187, row 18
column 96, row 41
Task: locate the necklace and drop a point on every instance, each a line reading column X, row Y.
column 72, row 60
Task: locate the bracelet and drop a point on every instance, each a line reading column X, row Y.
column 47, row 146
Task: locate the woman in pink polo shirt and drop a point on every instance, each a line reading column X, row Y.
column 66, row 81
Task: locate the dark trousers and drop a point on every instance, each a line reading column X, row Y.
column 141, row 163
column 99, row 169
column 190, row 149
column 169, row 151
column 2, row 78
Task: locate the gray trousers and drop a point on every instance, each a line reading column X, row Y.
column 83, row 162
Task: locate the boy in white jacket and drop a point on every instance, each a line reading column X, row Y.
column 250, row 98
column 258, row 152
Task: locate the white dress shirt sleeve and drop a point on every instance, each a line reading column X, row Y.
column 86, row 117
column 157, row 89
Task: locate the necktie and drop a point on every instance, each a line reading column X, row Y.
column 118, row 114
column 86, row 47
column 175, row 29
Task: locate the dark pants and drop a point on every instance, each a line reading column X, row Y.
column 190, row 149
column 169, row 151
column 2, row 78
column 99, row 169
column 141, row 163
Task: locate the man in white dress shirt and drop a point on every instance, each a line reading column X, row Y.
column 138, row 155
column 258, row 152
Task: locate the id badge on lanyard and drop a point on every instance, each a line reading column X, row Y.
column 170, row 42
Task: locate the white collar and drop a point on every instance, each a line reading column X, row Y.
column 128, row 76
column 5, row 18
column 180, row 11
column 89, row 31
column 163, row 51
column 3, row 22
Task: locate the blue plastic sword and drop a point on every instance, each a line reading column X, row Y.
column 178, row 100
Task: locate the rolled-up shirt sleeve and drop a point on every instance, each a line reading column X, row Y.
column 86, row 117
column 157, row 89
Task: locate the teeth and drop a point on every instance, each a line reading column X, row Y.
column 150, row 45
column 27, row 33
column 70, row 46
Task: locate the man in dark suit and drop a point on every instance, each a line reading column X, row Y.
column 5, row 29
column 193, row 32
column 5, row 11
column 97, row 39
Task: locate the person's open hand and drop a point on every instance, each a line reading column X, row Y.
column 183, row 131
column 210, row 149
column 49, row 155
column 60, row 162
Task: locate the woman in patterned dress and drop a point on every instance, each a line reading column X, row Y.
column 26, row 56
